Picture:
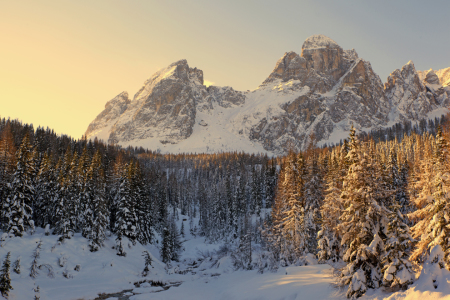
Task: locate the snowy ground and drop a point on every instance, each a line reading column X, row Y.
column 105, row 272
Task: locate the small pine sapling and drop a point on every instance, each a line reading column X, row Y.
column 34, row 265
column 5, row 279
column 119, row 246
column 47, row 229
column 37, row 296
column 148, row 262
column 62, row 260
column 182, row 229
column 16, row 266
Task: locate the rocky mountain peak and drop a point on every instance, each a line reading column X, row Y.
column 321, row 64
column 289, row 66
column 431, row 77
column 318, row 41
column 114, row 108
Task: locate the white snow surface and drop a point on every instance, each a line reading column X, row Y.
column 105, row 272
column 227, row 128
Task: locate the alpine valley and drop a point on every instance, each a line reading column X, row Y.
column 322, row 91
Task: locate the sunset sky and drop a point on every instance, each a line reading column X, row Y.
column 61, row 61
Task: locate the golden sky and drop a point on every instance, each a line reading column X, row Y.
column 61, row 61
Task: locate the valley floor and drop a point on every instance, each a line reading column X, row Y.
column 120, row 277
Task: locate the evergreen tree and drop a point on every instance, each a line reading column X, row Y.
column 7, row 168
column 313, row 198
column 166, row 249
column 433, row 227
column 96, row 221
column 397, row 268
column 5, row 279
column 175, row 242
column 361, row 222
column 16, row 266
column 144, row 211
column 293, row 223
column 19, row 209
column 34, row 264
column 148, row 262
column 126, row 219
column 329, row 238
column 42, row 207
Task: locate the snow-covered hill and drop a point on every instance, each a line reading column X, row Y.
column 322, row 91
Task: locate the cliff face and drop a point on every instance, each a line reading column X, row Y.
column 335, row 88
column 320, row 92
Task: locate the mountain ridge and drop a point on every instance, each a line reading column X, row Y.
column 322, row 92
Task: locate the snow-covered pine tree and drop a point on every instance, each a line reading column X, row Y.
column 329, row 239
column 272, row 232
column 42, row 208
column 182, row 230
column 144, row 211
column 175, row 241
column 72, row 193
column 313, row 199
column 433, row 227
column 5, row 278
column 293, row 224
column 361, row 223
column 243, row 255
column 397, row 269
column 7, row 167
column 126, row 219
column 256, row 191
column 97, row 203
column 64, row 214
column 20, row 200
column 166, row 249
column 85, row 194
column 16, row 266
column 34, row 264
column 37, row 295
column 148, row 262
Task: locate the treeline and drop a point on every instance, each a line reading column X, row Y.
column 401, row 129
column 379, row 207
column 69, row 186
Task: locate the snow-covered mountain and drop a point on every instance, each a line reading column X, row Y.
column 322, row 91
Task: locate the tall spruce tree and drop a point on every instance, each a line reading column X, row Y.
column 19, row 210
column 5, row 279
column 361, row 222
column 433, row 227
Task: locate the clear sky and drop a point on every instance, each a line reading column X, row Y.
column 61, row 60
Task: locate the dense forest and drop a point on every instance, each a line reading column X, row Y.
column 378, row 202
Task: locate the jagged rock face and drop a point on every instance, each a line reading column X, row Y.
column 341, row 88
column 224, row 96
column 163, row 108
column 113, row 110
column 437, row 84
column 322, row 91
column 321, row 64
column 432, row 78
column 414, row 94
column 443, row 76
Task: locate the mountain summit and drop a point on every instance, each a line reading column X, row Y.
column 321, row 91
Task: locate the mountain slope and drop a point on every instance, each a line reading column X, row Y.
column 319, row 93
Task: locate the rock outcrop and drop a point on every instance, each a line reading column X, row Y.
column 340, row 89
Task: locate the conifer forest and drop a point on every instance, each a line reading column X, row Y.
column 376, row 206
